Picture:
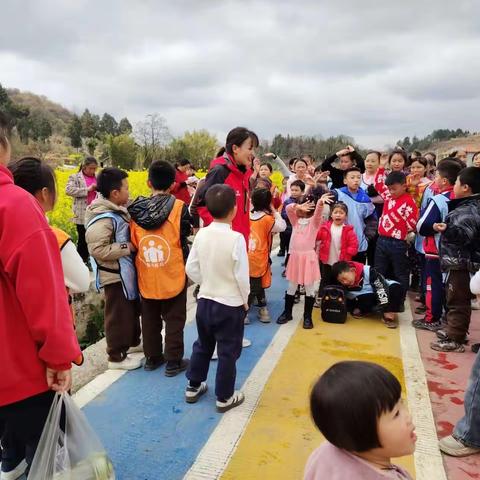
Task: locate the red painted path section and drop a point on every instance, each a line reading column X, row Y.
column 447, row 377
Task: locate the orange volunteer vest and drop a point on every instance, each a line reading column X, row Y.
column 159, row 259
column 259, row 246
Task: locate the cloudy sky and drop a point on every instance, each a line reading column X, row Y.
column 377, row 70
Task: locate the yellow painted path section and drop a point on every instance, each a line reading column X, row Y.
column 280, row 435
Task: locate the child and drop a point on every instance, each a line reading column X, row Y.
column 459, row 256
column 337, row 241
column 302, row 268
column 435, row 212
column 264, row 222
column 108, row 239
column 297, row 189
column 417, row 181
column 399, row 218
column 300, row 167
column 398, row 160
column 160, row 228
column 361, row 211
column 367, row 291
column 347, row 158
column 358, row 408
column 266, row 171
column 476, row 159
column 219, row 263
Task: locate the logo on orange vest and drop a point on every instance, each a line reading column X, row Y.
column 154, row 251
column 253, row 242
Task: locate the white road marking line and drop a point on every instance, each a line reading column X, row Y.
column 428, row 459
column 217, row 452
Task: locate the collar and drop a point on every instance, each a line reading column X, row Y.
column 220, row 226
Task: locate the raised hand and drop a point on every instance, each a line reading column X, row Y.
column 327, row 198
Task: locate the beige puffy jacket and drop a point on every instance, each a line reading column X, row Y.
column 100, row 239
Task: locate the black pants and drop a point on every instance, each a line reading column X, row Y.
column 285, row 240
column 360, row 257
column 368, row 302
column 459, row 304
column 23, row 424
column 391, row 256
column 372, row 245
column 172, row 311
column 82, row 248
column 122, row 322
column 257, row 292
column 222, row 325
column 326, row 274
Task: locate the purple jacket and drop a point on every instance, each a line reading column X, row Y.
column 332, row 463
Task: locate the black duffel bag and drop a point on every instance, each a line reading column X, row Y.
column 334, row 305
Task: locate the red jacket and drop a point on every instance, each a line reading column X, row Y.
column 225, row 170
column 36, row 328
column 180, row 189
column 348, row 246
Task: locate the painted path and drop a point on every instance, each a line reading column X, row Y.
column 152, row 434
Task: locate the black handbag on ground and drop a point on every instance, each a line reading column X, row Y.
column 334, row 305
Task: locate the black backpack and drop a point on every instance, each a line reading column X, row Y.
column 334, row 306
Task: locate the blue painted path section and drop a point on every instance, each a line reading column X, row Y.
column 143, row 421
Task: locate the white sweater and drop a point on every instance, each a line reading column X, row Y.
column 218, row 262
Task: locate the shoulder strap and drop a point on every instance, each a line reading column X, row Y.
column 111, row 215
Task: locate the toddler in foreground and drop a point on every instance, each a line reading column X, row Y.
column 358, row 409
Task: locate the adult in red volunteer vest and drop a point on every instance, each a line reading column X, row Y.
column 180, row 187
column 233, row 166
column 37, row 339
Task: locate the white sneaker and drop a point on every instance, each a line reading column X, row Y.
column 246, row 342
column 246, row 321
column 234, row 401
column 263, row 315
column 17, row 472
column 453, row 447
column 192, row 394
column 215, row 354
column 137, row 349
column 128, row 363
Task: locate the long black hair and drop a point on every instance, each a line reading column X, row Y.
column 31, row 174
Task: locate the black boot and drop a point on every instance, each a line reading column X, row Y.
column 286, row 316
column 307, row 312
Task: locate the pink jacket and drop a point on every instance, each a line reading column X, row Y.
column 332, row 463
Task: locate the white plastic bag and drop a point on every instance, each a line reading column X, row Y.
column 75, row 453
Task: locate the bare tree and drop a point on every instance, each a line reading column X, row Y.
column 152, row 135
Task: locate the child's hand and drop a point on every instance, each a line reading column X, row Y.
column 327, row 198
column 309, row 180
column 92, row 187
column 245, row 306
column 383, row 159
column 415, row 179
column 321, row 177
column 305, row 207
column 439, row 227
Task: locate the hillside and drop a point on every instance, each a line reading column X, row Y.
column 470, row 143
column 58, row 116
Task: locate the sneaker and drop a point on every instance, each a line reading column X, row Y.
column 17, row 472
column 246, row 320
column 175, row 367
column 234, row 401
column 475, row 347
column 128, row 363
column 246, row 342
column 442, row 335
column 192, row 394
column 390, row 322
column 215, row 354
column 137, row 349
column 447, row 345
column 421, row 309
column 263, row 315
column 152, row 363
column 281, row 253
column 455, row 448
column 421, row 324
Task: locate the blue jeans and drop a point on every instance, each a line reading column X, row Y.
column 467, row 429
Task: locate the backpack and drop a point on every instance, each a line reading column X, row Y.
column 334, row 307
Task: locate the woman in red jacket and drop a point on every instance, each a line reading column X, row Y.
column 233, row 166
column 337, row 241
column 37, row 340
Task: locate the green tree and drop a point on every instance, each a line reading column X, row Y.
column 10, row 112
column 124, row 126
column 89, row 127
column 108, row 125
column 198, row 146
column 75, row 132
column 122, row 151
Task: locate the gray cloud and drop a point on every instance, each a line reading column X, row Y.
column 375, row 70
